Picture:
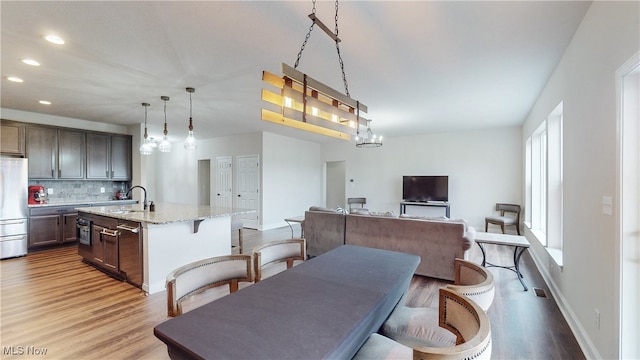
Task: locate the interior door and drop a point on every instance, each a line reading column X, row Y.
column 248, row 196
column 224, row 176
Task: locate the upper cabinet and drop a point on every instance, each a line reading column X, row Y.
column 56, row 153
column 41, row 152
column 12, row 138
column 71, row 157
column 120, row 157
column 108, row 156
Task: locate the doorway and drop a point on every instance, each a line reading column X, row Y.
column 336, row 193
column 628, row 81
column 249, row 189
column 224, row 182
column 204, row 182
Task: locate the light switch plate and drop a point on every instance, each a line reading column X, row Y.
column 50, row 191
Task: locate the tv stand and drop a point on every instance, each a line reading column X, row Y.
column 443, row 204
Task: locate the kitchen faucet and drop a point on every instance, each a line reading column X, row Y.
column 145, row 205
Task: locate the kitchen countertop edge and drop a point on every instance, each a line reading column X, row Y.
column 164, row 213
column 84, row 203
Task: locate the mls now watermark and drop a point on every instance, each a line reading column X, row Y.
column 23, row 350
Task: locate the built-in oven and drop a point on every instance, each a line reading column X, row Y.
column 83, row 233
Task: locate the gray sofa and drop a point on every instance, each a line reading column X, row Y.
column 438, row 241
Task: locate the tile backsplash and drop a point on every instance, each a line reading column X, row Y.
column 81, row 190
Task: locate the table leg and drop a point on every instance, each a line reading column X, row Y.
column 484, row 255
column 516, row 261
column 290, row 227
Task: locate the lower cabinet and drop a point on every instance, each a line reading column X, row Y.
column 105, row 247
column 116, row 247
column 52, row 226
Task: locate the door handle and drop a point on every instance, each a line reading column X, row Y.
column 11, row 222
column 109, row 232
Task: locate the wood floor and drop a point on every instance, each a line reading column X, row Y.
column 53, row 306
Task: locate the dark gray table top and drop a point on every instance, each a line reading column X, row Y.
column 323, row 308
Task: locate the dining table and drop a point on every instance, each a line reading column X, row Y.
column 323, row 308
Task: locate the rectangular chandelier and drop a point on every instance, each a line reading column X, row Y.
column 307, row 104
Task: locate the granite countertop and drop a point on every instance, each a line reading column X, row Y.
column 164, row 212
column 84, row 203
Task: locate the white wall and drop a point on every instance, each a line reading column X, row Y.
column 484, row 167
column 585, row 80
column 175, row 174
column 292, row 178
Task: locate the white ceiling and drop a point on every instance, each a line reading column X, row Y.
column 419, row 66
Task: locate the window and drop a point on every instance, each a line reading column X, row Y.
column 544, row 183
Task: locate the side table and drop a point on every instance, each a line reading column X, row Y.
column 519, row 243
column 296, row 219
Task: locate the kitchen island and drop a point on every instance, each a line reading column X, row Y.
column 171, row 236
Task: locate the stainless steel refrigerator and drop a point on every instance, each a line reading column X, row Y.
column 13, row 207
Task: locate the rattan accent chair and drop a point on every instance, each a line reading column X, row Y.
column 414, row 326
column 459, row 315
column 271, row 258
column 504, row 219
column 188, row 283
column 474, row 282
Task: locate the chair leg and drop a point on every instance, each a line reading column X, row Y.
column 518, row 228
column 502, row 227
column 486, row 226
column 240, row 240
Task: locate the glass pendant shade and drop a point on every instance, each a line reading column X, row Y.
column 165, row 145
column 146, row 148
column 190, row 142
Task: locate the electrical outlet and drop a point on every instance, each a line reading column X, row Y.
column 102, row 190
column 50, row 191
column 597, row 319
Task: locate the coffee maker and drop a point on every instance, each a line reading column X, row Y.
column 37, row 195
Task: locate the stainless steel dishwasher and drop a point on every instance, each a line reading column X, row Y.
column 130, row 251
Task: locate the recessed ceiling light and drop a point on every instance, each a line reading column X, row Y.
column 54, row 39
column 14, row 79
column 31, row 62
column 45, row 102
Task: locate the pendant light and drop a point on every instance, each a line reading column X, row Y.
column 190, row 141
column 146, row 148
column 369, row 140
column 165, row 145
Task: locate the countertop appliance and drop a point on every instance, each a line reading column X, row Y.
column 37, row 194
column 13, row 207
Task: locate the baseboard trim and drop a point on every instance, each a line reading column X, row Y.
column 583, row 339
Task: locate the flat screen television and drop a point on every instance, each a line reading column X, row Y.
column 425, row 188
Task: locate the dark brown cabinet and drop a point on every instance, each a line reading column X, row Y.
column 55, row 153
column 12, row 138
column 44, row 230
column 116, row 247
column 108, row 156
column 120, row 157
column 41, row 149
column 71, row 158
column 105, row 248
column 52, row 226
